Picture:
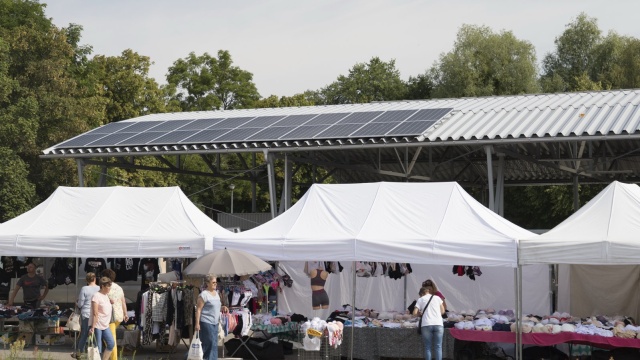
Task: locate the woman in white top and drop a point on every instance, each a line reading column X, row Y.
column 116, row 296
column 208, row 310
column 84, row 304
column 101, row 316
column 431, row 308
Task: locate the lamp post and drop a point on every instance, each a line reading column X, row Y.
column 231, row 187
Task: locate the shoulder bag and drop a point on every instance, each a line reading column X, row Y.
column 422, row 314
column 73, row 323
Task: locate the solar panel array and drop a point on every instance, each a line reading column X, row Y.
column 391, row 123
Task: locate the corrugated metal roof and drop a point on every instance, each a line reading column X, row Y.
column 537, row 116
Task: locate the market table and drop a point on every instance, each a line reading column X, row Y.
column 543, row 339
column 376, row 342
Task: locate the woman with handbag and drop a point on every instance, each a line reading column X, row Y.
column 116, row 296
column 208, row 309
column 101, row 309
column 84, row 304
column 431, row 327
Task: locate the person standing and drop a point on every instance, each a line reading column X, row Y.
column 84, row 304
column 101, row 316
column 208, row 309
column 30, row 283
column 119, row 303
column 431, row 308
column 432, row 284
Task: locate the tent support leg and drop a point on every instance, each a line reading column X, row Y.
column 488, row 149
column 518, row 287
column 272, row 184
column 353, row 310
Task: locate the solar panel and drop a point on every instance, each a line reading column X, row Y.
column 295, row 120
column 374, row 129
column 204, row 136
column 327, row 119
column 338, row 131
column 360, row 117
column 305, row 132
column 110, row 128
column 140, row 126
column 272, row 133
column 201, row 124
column 411, row 128
column 112, row 139
column 429, row 114
column 142, row 138
column 81, row 140
column 232, row 123
column 263, row 121
column 395, row 116
column 171, row 125
column 238, row 134
column 173, row 137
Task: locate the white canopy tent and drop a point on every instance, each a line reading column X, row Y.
column 111, row 222
column 425, row 223
column 438, row 224
column 604, row 232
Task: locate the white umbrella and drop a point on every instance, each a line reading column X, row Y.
column 227, row 262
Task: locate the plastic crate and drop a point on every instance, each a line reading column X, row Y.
column 50, row 339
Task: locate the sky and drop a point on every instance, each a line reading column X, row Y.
column 295, row 45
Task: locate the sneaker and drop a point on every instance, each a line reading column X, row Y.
column 75, row 355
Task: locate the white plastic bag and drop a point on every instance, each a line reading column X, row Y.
column 73, row 323
column 93, row 352
column 195, row 350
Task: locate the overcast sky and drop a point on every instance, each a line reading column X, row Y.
column 293, row 45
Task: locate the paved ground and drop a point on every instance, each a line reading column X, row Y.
column 63, row 352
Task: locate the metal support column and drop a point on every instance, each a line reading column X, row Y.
column 288, row 181
column 499, row 202
column 576, row 194
column 80, row 164
column 272, row 184
column 489, row 149
column 254, row 188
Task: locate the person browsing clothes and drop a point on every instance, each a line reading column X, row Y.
column 30, row 283
column 432, row 284
column 431, row 308
column 101, row 317
column 116, row 296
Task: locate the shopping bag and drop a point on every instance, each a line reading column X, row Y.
column 220, row 334
column 73, row 323
column 93, row 352
column 195, row 350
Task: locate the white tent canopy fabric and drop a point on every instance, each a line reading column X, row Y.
column 111, row 222
column 426, row 223
column 603, row 232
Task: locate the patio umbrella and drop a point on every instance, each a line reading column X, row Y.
column 227, row 262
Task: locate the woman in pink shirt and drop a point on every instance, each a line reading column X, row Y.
column 101, row 316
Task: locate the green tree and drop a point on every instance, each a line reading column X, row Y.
column 209, row 83
column 16, row 192
column 285, row 101
column 483, row 63
column 573, row 56
column 126, row 85
column 420, row 87
column 373, row 81
column 41, row 103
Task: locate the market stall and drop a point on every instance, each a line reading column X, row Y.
column 416, row 223
column 598, row 250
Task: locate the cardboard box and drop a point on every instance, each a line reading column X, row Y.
column 50, row 339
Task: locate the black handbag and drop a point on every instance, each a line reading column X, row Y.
column 421, row 314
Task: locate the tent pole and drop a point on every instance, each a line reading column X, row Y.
column 518, row 276
column 353, row 310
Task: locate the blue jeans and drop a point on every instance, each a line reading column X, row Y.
column 209, row 339
column 432, row 334
column 104, row 335
column 84, row 334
